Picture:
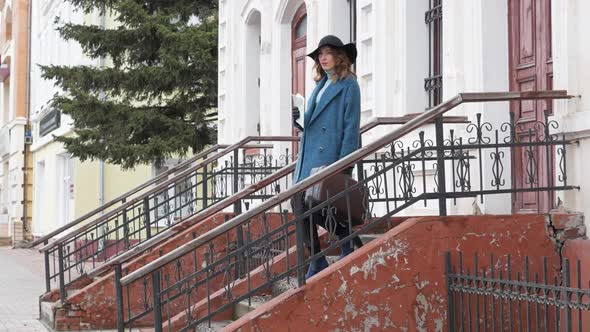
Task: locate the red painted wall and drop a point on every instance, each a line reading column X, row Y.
column 397, row 281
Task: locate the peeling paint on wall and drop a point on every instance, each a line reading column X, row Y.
column 378, row 258
column 397, row 282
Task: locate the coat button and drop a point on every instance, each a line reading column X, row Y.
column 321, row 148
column 324, row 128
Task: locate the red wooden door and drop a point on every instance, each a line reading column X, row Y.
column 531, row 68
column 299, row 51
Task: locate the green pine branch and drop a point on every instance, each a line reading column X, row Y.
column 153, row 102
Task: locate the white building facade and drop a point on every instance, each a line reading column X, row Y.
column 53, row 166
column 451, row 46
column 64, row 188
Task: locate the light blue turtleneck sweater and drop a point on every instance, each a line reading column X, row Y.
column 326, row 85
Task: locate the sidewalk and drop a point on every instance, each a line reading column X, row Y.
column 21, row 284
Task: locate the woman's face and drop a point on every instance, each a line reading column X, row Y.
column 326, row 58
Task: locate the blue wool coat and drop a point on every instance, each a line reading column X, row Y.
column 331, row 128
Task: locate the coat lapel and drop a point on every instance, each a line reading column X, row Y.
column 330, row 93
column 311, row 105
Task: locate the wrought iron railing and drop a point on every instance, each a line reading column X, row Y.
column 85, row 253
column 121, row 199
column 148, row 217
column 516, row 297
column 261, row 188
column 202, row 279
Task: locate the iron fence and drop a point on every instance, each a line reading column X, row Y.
column 202, row 280
column 144, row 219
column 87, row 249
column 480, row 161
column 508, row 297
column 219, row 264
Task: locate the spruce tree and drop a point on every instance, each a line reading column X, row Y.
column 153, row 101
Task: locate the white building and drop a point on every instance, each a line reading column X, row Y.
column 467, row 46
column 65, row 188
column 53, row 167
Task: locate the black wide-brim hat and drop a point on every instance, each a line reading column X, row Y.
column 335, row 42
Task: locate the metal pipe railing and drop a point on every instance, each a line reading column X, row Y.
column 416, row 122
column 229, row 201
column 181, row 171
column 123, row 197
column 202, row 164
column 85, row 243
column 400, row 120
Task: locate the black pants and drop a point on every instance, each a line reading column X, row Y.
column 310, row 234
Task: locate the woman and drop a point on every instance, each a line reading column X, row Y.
column 331, row 131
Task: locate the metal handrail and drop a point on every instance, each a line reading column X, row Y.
column 187, row 221
column 400, row 120
column 122, row 197
column 229, row 201
column 207, row 161
column 206, row 213
column 338, row 166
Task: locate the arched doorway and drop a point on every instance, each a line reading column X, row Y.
column 298, row 54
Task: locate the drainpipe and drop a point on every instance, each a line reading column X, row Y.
column 101, row 63
column 26, row 230
column 102, row 96
column 101, row 167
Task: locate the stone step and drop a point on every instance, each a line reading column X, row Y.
column 46, row 313
column 215, row 326
column 332, row 259
column 285, row 284
column 244, row 307
column 282, row 285
column 366, row 238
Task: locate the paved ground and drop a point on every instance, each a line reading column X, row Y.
column 21, row 283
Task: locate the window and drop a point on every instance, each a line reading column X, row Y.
column 433, row 83
column 301, row 30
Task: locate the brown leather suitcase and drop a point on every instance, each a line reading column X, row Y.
column 358, row 197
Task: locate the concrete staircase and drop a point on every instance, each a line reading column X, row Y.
column 397, row 281
column 400, row 265
column 285, row 284
column 278, row 287
column 90, row 301
column 394, row 282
